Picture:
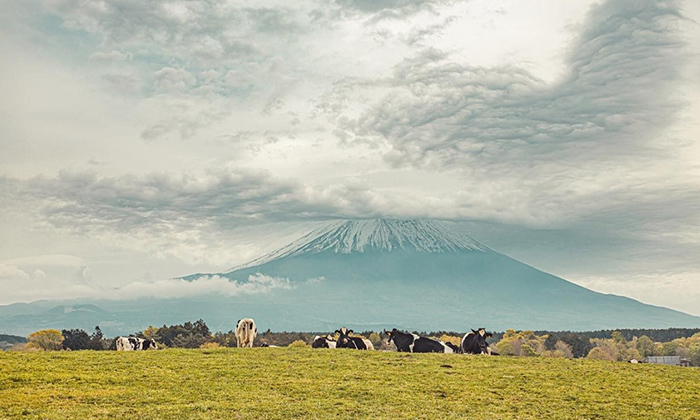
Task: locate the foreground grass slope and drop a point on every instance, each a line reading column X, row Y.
column 305, row 383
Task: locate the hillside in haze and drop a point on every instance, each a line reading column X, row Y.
column 370, row 274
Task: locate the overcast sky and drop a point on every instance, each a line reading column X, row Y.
column 142, row 140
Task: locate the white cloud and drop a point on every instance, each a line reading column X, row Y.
column 205, row 285
column 67, row 277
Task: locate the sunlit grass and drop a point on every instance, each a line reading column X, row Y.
column 305, row 383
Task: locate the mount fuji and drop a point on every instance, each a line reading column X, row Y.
column 365, row 275
column 420, row 274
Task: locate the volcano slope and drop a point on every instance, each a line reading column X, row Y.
column 420, row 275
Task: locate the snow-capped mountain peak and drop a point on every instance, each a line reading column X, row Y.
column 383, row 235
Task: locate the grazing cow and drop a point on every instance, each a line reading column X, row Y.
column 135, row 343
column 413, row 343
column 475, row 342
column 347, row 342
column 323, row 342
column 245, row 332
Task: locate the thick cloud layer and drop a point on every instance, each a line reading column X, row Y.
column 205, row 132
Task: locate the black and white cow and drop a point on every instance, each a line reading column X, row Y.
column 325, row 342
column 246, row 331
column 475, row 342
column 413, row 343
column 347, row 342
column 135, row 343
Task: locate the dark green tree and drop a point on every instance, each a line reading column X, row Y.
column 97, row 341
column 75, row 339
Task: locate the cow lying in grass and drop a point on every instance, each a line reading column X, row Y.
column 475, row 343
column 347, row 342
column 323, row 342
column 413, row 343
column 135, row 343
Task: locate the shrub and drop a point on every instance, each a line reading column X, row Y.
column 45, row 340
column 210, row 345
column 298, row 343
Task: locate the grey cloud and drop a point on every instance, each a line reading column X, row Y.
column 419, row 35
column 623, row 75
column 170, row 79
column 205, row 30
column 86, row 201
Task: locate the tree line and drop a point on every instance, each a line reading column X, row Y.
column 615, row 345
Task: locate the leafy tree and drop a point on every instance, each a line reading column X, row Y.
column 618, row 337
column 645, row 346
column 580, row 343
column 564, row 349
column 75, row 339
column 694, row 354
column 551, row 341
column 597, row 353
column 669, row 349
column 528, row 351
column 150, row 332
column 97, row 341
column 45, row 340
column 613, row 350
column 188, row 335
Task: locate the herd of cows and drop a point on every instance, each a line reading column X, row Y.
column 473, row 342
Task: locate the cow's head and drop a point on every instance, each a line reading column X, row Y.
column 392, row 335
column 481, row 339
column 150, row 344
column 343, row 336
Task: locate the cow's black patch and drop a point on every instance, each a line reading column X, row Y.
column 402, row 340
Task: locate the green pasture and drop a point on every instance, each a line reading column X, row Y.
column 269, row 383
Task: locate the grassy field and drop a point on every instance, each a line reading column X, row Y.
column 264, row 383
